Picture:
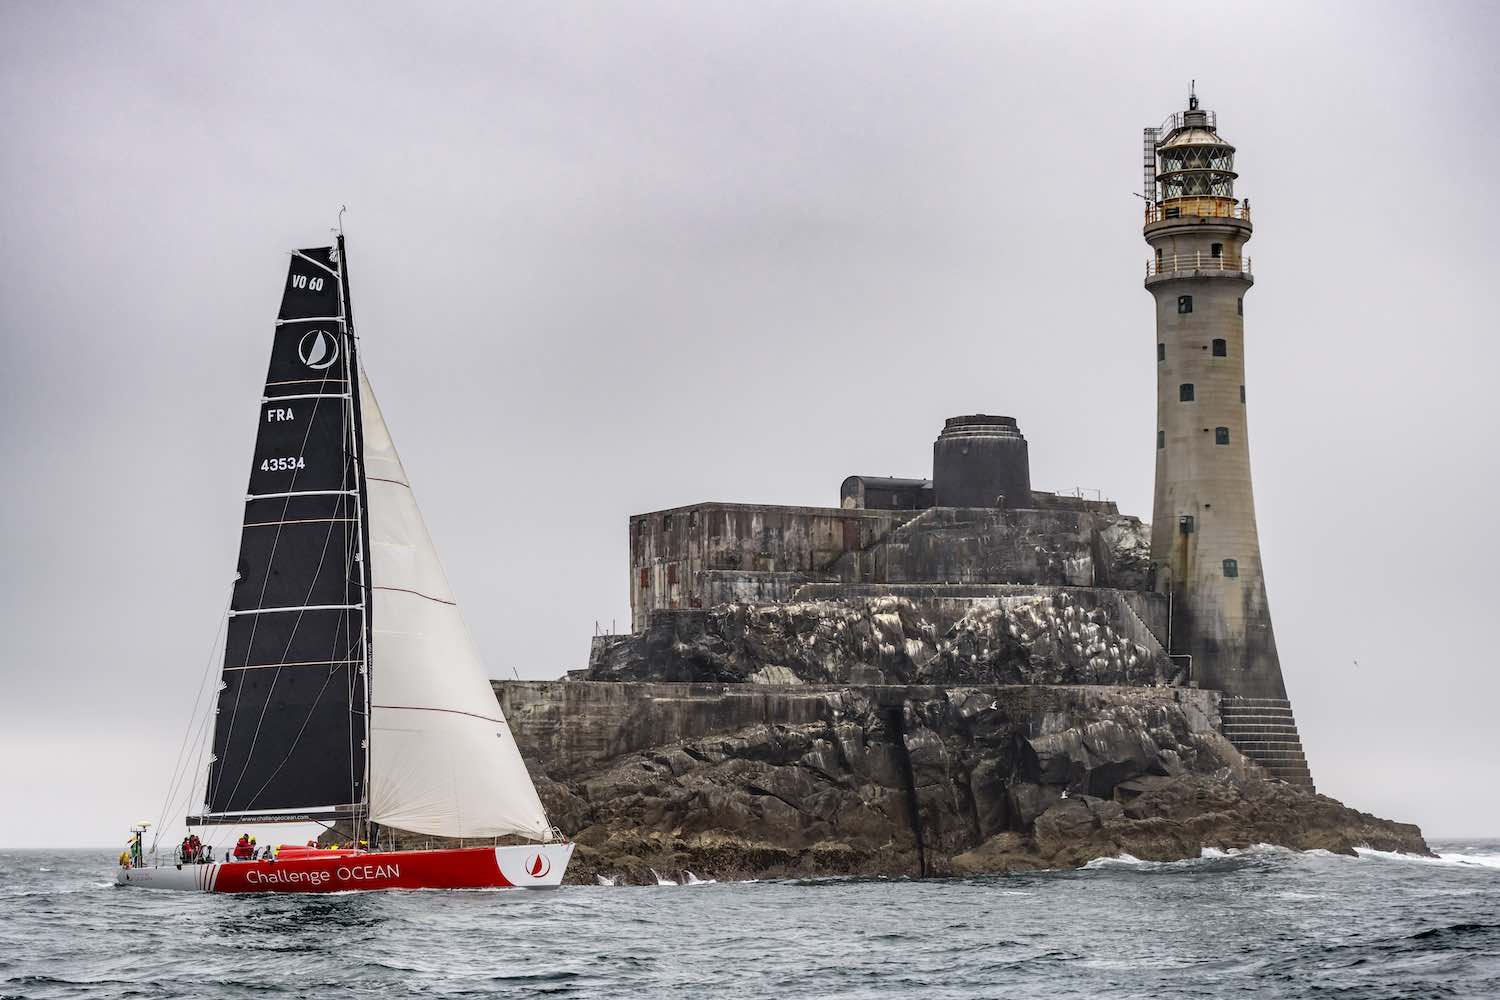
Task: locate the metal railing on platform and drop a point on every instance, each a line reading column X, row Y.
column 1176, row 263
column 1212, row 208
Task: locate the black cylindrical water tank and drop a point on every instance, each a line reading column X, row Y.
column 981, row 461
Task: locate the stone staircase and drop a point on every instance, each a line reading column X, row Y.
column 1264, row 730
column 1154, row 642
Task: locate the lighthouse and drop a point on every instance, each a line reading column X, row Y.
column 1205, row 549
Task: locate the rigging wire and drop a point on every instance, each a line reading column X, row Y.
column 178, row 770
column 183, row 801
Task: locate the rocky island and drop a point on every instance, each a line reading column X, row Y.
column 951, row 676
column 758, row 781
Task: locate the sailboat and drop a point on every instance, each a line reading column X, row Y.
column 352, row 694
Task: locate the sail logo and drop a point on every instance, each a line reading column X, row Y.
column 317, row 349
column 537, row 866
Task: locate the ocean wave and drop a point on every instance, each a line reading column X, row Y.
column 1450, row 860
column 1122, row 859
column 1206, row 854
column 1453, row 931
column 1473, row 860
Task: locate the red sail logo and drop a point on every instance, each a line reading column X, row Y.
column 537, row 866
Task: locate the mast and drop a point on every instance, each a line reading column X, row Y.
column 363, row 507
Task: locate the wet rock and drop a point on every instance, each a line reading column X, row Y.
column 959, row 780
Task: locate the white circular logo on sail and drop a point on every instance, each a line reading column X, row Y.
column 318, row 349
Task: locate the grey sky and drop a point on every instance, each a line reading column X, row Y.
column 611, row 258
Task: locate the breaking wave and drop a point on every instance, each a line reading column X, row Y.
column 1444, row 858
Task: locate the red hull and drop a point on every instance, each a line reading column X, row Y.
column 539, row 866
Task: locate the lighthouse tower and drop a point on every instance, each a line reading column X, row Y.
column 1204, row 544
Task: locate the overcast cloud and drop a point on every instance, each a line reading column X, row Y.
column 612, row 258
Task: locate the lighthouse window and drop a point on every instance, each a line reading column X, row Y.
column 1239, row 305
column 1185, row 392
column 1161, row 439
column 1231, row 567
column 1221, row 435
column 1221, row 348
column 1161, row 352
column 1184, row 303
column 1216, row 250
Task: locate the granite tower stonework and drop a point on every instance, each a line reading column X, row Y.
column 1205, row 549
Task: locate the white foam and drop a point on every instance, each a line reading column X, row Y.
column 1119, row 859
column 1473, row 860
column 1450, row 860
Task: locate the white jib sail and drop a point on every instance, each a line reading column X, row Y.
column 442, row 759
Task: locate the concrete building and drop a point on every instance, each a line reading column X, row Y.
column 890, row 532
column 1204, row 545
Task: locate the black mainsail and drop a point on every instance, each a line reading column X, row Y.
column 291, row 730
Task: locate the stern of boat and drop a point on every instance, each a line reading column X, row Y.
column 184, row 878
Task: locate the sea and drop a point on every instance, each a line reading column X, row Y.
column 1264, row 922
